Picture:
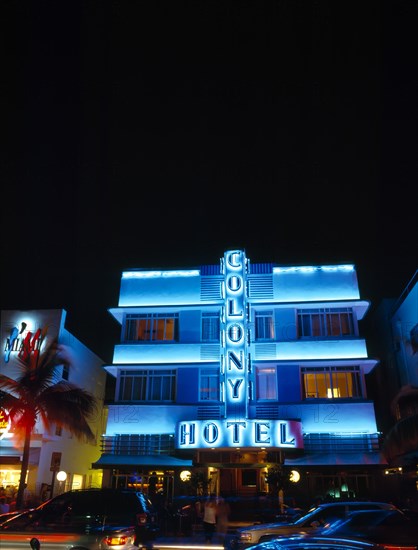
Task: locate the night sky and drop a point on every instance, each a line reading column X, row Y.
column 160, row 134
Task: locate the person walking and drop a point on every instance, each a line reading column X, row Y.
column 152, row 485
column 209, row 518
column 4, row 506
column 222, row 518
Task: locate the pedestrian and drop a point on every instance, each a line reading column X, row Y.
column 209, row 518
column 222, row 518
column 4, row 506
column 27, row 496
column 152, row 485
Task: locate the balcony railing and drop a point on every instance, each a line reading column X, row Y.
column 138, row 444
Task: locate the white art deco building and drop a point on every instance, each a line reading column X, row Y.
column 54, row 450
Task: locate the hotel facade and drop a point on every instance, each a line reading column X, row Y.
column 236, row 368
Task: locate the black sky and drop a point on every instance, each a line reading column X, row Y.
column 159, row 134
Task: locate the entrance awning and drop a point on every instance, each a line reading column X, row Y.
column 159, row 461
column 10, row 455
column 338, row 459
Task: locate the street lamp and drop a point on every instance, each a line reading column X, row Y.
column 185, row 475
column 61, row 477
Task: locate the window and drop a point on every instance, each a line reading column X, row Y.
column 324, row 323
column 147, row 385
column 161, row 327
column 264, row 325
column 209, row 384
column 331, row 382
column 65, row 372
column 210, row 327
column 249, row 478
column 266, row 386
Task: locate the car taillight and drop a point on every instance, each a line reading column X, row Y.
column 392, row 547
column 117, row 541
column 141, row 519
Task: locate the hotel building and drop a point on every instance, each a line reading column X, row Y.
column 235, row 368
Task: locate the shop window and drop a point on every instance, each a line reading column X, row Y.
column 249, row 478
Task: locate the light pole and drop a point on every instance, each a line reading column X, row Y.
column 61, row 477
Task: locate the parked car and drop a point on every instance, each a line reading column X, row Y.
column 386, row 527
column 314, row 518
column 7, row 515
column 187, row 511
column 313, row 542
column 89, row 519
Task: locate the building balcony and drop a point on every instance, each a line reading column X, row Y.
column 296, row 350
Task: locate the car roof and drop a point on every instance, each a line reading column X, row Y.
column 370, row 518
column 323, row 506
column 313, row 541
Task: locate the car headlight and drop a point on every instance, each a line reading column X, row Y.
column 245, row 537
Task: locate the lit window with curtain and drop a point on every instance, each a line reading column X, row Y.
column 209, row 384
column 210, row 327
column 266, row 382
column 264, row 325
column 331, row 382
column 325, row 323
column 151, row 327
column 147, row 385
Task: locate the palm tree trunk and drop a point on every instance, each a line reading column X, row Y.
column 24, row 469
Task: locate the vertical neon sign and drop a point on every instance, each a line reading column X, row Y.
column 234, row 340
column 236, row 428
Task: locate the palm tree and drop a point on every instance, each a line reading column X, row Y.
column 38, row 393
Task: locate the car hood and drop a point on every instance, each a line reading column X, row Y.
column 264, row 526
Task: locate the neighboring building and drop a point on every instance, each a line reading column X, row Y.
column 57, row 450
column 232, row 369
column 395, row 384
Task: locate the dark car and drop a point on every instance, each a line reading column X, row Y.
column 91, row 519
column 308, row 523
column 313, row 542
column 8, row 515
column 386, row 527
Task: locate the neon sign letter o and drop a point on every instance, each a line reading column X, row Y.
column 210, row 433
column 233, row 259
column 234, row 283
column 235, row 333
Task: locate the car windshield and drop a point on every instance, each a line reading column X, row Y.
column 365, row 519
column 320, row 515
